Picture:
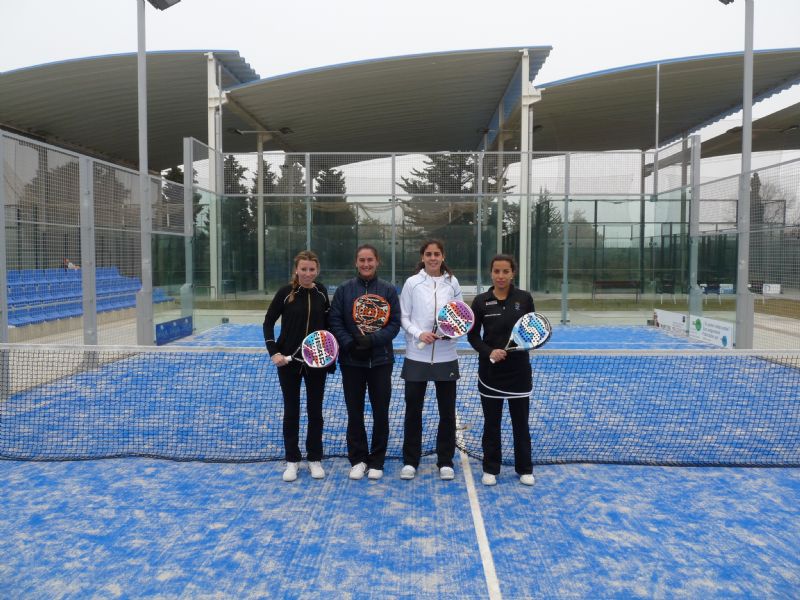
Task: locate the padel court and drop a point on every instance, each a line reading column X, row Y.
column 187, row 528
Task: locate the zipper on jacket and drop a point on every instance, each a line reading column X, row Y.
column 435, row 311
column 308, row 314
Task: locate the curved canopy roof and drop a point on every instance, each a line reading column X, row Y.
column 615, row 109
column 778, row 131
column 440, row 101
column 402, row 104
column 90, row 104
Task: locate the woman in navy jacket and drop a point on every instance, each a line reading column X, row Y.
column 366, row 363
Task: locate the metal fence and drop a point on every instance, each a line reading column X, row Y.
column 604, row 230
column 71, row 238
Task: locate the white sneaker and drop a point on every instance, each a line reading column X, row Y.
column 527, row 479
column 408, row 472
column 317, row 472
column 290, row 474
column 375, row 473
column 357, row 470
column 488, row 479
column 447, row 473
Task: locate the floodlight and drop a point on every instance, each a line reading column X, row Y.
column 163, row 4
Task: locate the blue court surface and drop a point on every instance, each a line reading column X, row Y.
column 573, row 337
column 143, row 527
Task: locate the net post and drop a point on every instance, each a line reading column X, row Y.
column 88, row 257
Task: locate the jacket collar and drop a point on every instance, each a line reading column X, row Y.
column 424, row 274
column 511, row 290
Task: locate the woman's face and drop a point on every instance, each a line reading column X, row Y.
column 502, row 275
column 432, row 258
column 307, row 271
column 366, row 263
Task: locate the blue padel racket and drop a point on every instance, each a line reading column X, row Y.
column 532, row 330
column 454, row 319
column 319, row 349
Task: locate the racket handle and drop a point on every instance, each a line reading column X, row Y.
column 421, row 345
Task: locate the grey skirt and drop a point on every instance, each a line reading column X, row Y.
column 414, row 370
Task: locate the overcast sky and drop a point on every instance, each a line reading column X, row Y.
column 282, row 37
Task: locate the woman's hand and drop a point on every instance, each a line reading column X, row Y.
column 497, row 355
column 279, row 360
column 427, row 337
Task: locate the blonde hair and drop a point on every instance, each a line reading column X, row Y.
column 302, row 255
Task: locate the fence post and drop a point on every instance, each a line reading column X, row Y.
column 695, row 293
column 565, row 264
column 88, row 258
column 3, row 263
column 187, row 289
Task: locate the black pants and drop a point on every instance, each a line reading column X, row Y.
column 446, row 434
column 355, row 382
column 289, row 379
column 518, row 408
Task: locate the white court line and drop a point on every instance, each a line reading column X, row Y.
column 480, row 531
column 489, row 572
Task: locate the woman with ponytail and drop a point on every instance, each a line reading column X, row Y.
column 303, row 307
column 423, row 295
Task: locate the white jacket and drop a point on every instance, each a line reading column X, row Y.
column 420, row 300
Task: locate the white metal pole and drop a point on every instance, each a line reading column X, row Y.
column 523, row 278
column 260, row 210
column 744, row 299
column 658, row 119
column 144, row 298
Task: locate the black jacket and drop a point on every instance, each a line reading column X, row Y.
column 306, row 313
column 344, row 328
column 497, row 318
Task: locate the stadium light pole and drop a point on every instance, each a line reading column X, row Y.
column 744, row 299
column 144, row 297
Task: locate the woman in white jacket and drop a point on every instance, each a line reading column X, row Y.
column 422, row 296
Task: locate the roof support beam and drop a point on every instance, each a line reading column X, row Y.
column 257, row 125
column 215, row 175
column 530, row 95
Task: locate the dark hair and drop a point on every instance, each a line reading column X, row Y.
column 368, row 247
column 503, row 257
column 438, row 244
column 302, row 255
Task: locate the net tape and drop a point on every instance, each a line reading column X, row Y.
column 645, row 407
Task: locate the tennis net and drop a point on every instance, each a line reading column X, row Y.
column 213, row 404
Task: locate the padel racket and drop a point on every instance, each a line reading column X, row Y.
column 371, row 313
column 532, row 330
column 453, row 320
column 319, row 349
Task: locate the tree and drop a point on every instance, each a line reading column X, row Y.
column 330, row 200
column 174, row 174
column 438, row 192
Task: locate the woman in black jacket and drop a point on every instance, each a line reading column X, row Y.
column 303, row 307
column 503, row 374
